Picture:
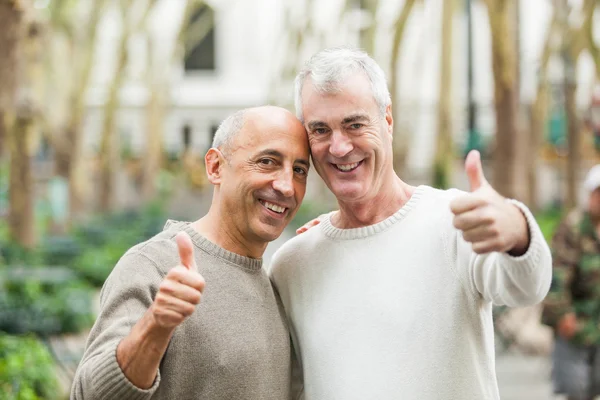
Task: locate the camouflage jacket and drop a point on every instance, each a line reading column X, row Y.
column 576, row 277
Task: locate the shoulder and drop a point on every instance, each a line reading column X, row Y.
column 159, row 253
column 435, row 203
column 294, row 251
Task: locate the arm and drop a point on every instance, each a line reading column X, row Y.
column 509, row 262
column 125, row 297
column 504, row 279
column 120, row 362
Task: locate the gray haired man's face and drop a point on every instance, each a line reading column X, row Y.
column 350, row 141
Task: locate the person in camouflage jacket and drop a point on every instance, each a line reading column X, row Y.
column 572, row 307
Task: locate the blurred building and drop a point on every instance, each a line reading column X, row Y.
column 251, row 49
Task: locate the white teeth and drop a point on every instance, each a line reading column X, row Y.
column 346, row 167
column 274, row 207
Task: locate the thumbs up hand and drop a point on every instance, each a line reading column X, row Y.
column 181, row 290
column 487, row 220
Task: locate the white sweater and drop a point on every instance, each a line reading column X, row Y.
column 402, row 309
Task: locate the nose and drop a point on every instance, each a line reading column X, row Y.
column 340, row 145
column 284, row 182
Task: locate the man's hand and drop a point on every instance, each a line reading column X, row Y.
column 181, row 290
column 310, row 224
column 567, row 326
column 487, row 220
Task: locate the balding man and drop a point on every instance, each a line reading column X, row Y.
column 190, row 313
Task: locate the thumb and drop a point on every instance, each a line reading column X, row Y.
column 475, row 170
column 186, row 250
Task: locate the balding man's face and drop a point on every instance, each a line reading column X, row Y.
column 264, row 181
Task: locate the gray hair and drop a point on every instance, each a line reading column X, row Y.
column 328, row 68
column 228, row 129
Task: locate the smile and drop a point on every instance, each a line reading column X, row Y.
column 347, row 167
column 273, row 207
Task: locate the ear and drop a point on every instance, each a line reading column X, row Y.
column 213, row 161
column 389, row 119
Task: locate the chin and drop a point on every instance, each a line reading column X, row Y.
column 269, row 234
column 347, row 192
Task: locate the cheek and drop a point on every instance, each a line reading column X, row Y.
column 300, row 190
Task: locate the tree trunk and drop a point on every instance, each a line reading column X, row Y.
column 401, row 139
column 21, row 196
column 21, row 134
column 539, row 113
column 368, row 35
column 109, row 156
column 153, row 156
column 504, row 65
column 109, row 145
column 588, row 27
column 75, row 169
column 11, row 22
column 444, row 152
column 573, row 134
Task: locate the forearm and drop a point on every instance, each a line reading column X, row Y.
column 139, row 354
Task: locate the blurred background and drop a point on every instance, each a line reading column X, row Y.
column 108, row 106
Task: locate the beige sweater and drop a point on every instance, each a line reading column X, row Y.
column 235, row 346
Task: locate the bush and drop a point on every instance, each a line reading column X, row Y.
column 45, row 301
column 103, row 241
column 310, row 210
column 12, row 253
column 548, row 221
column 26, row 369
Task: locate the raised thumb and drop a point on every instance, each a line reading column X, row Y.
column 475, row 170
column 186, row 250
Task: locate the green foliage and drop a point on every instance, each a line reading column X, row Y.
column 548, row 221
column 26, row 370
column 103, row 241
column 310, row 210
column 12, row 253
column 440, row 176
column 45, row 301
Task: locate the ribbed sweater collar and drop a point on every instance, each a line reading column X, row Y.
column 213, row 249
column 370, row 230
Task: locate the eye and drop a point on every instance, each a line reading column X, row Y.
column 300, row 170
column 320, row 131
column 266, row 161
column 356, row 126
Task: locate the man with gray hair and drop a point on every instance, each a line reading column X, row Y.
column 391, row 296
column 191, row 313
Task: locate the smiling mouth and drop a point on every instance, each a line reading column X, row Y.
column 347, row 167
column 273, row 207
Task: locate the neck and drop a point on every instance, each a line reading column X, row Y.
column 357, row 214
column 216, row 229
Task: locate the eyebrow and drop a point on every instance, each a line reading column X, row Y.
column 348, row 120
column 316, row 124
column 278, row 154
column 354, row 118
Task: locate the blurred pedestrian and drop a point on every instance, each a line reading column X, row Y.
column 572, row 308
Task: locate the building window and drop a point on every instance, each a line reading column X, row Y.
column 200, row 41
column 187, row 137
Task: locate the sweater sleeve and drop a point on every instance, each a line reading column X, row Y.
column 126, row 295
column 507, row 280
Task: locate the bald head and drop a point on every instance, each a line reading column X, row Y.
column 255, row 118
column 259, row 167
